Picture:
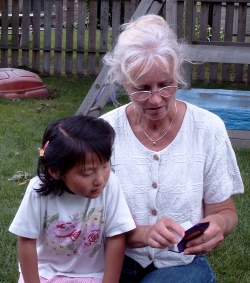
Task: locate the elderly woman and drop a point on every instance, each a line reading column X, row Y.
column 174, row 160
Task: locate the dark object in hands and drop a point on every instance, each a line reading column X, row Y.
column 191, row 234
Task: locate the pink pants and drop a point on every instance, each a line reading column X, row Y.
column 64, row 279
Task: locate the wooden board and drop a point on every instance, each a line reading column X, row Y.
column 223, row 54
column 239, row 138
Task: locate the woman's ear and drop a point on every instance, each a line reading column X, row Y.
column 54, row 173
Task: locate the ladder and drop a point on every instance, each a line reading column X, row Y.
column 100, row 91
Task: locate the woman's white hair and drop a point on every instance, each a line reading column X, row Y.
column 143, row 43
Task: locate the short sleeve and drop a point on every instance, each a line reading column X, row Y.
column 222, row 178
column 118, row 217
column 27, row 222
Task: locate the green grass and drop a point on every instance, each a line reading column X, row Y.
column 231, row 259
column 22, row 127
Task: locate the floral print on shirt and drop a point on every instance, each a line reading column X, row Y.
column 79, row 234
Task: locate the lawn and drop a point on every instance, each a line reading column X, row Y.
column 22, row 127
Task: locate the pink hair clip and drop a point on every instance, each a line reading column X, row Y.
column 42, row 150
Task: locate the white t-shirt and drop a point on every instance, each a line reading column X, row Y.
column 71, row 230
column 198, row 166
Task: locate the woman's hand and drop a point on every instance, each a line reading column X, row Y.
column 223, row 219
column 158, row 235
column 211, row 238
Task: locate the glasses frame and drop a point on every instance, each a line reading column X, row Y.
column 151, row 92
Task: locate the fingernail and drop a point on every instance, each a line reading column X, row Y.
column 175, row 241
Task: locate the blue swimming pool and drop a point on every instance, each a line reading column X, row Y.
column 233, row 106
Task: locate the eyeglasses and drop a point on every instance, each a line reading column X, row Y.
column 141, row 95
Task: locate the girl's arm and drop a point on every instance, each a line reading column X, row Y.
column 115, row 250
column 28, row 259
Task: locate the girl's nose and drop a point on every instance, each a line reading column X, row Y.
column 99, row 179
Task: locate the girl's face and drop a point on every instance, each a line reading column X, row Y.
column 156, row 107
column 90, row 179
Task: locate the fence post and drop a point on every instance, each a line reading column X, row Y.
column 82, row 24
column 4, row 34
column 48, row 4
column 171, row 14
column 58, row 37
column 92, row 37
column 189, row 16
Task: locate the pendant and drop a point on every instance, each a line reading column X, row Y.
column 154, row 143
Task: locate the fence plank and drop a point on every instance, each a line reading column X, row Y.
column 48, row 4
column 15, row 33
column 127, row 11
column 242, row 14
column 36, row 34
column 4, row 34
column 58, row 36
column 223, row 54
column 228, row 37
column 104, row 28
column 92, row 36
column 25, row 34
column 116, row 19
column 189, row 35
column 81, row 36
column 216, row 28
column 203, row 36
column 180, row 9
column 171, row 14
column 69, row 37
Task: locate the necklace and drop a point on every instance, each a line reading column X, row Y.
column 155, row 141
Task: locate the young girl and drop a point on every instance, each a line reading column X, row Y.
column 73, row 217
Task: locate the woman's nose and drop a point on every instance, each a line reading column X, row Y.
column 155, row 96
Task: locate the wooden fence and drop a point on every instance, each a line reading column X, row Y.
column 69, row 38
column 213, row 40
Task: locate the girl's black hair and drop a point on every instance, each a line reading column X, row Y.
column 70, row 139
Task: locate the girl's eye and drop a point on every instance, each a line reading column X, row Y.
column 106, row 165
column 87, row 173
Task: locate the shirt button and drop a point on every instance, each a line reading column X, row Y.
column 154, row 212
column 150, row 257
column 154, row 185
column 156, row 157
